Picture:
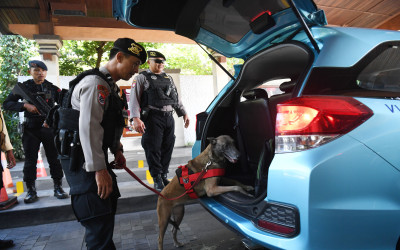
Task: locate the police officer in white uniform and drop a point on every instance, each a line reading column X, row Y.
column 153, row 99
column 94, row 191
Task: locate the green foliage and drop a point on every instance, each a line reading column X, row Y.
column 15, row 52
column 191, row 59
column 77, row 56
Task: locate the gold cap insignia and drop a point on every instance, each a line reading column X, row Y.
column 135, row 49
column 152, row 53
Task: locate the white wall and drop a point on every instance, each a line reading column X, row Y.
column 197, row 94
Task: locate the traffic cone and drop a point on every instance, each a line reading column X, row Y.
column 7, row 180
column 40, row 170
column 5, row 201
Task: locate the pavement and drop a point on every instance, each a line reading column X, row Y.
column 50, row 223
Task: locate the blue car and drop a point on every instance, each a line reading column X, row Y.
column 315, row 113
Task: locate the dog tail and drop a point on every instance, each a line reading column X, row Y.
column 173, row 223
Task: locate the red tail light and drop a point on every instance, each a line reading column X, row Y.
column 310, row 121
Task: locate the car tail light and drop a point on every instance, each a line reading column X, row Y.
column 279, row 219
column 310, row 121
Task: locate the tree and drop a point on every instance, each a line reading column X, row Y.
column 15, row 52
column 77, row 56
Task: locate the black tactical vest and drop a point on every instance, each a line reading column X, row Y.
column 47, row 91
column 161, row 91
column 113, row 120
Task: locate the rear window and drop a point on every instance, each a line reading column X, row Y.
column 377, row 75
column 230, row 20
column 383, row 73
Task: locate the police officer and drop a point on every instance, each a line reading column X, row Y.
column 36, row 130
column 94, row 191
column 6, row 147
column 153, row 99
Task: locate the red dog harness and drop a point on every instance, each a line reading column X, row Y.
column 188, row 178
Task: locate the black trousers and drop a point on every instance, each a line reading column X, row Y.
column 95, row 214
column 158, row 142
column 99, row 228
column 31, row 140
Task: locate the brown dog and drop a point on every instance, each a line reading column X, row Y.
column 218, row 150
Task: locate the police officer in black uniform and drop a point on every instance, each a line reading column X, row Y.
column 36, row 131
column 94, row 111
column 153, row 99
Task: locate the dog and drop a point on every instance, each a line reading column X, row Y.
column 217, row 152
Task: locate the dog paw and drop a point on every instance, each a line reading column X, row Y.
column 248, row 188
column 178, row 244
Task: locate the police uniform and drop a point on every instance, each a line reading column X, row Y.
column 101, row 123
column 157, row 96
column 34, row 133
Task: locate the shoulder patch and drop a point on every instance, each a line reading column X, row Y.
column 102, row 94
column 102, row 88
column 101, row 98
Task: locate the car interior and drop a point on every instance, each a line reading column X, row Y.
column 247, row 113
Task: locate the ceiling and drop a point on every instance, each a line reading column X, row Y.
column 92, row 19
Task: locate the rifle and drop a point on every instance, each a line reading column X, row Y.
column 37, row 101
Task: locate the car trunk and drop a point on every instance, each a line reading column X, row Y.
column 247, row 113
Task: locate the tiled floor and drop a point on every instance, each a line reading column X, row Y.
column 198, row 231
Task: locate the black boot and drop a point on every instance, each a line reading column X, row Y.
column 158, row 183
column 31, row 196
column 58, row 190
column 6, row 244
column 165, row 179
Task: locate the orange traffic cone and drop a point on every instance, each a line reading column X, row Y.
column 7, row 180
column 6, row 202
column 40, row 170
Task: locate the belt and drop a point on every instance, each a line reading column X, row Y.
column 162, row 113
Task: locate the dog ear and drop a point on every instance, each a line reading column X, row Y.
column 212, row 140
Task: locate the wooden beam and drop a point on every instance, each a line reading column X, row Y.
column 391, row 24
column 103, row 34
column 89, row 22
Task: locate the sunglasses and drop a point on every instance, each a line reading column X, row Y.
column 158, row 61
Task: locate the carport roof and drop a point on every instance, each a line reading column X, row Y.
column 92, row 19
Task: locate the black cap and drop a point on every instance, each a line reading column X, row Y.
column 130, row 47
column 155, row 54
column 37, row 63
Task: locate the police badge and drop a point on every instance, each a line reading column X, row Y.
column 135, row 49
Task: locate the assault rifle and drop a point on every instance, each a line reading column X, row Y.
column 36, row 100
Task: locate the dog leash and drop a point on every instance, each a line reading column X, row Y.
column 202, row 173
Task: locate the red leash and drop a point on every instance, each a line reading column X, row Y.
column 203, row 172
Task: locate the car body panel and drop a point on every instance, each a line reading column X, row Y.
column 346, row 183
column 311, row 183
column 381, row 132
column 343, row 47
column 250, row 43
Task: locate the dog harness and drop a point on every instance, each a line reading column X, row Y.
column 187, row 178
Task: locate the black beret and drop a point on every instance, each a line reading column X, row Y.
column 130, row 47
column 155, row 54
column 37, row 63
